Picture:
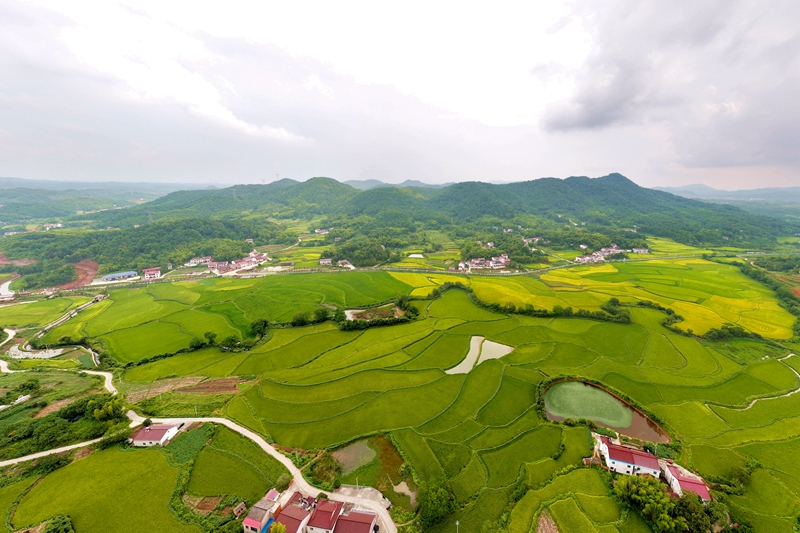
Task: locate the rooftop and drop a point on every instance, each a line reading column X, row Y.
column 325, row 515
column 291, row 517
column 152, row 433
column 355, row 522
column 631, row 456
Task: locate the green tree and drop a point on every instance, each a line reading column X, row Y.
column 690, row 507
column 320, row 314
column 211, row 336
column 277, row 527
column 229, row 341
column 196, row 344
column 648, row 496
column 436, row 502
column 258, row 327
column 300, row 319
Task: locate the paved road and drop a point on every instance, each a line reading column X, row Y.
column 10, row 333
column 109, row 383
column 48, row 452
column 5, row 289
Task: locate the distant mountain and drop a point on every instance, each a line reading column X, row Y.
column 365, row 185
column 153, row 189
column 769, row 194
column 611, row 201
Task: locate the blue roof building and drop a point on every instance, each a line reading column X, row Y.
column 120, row 275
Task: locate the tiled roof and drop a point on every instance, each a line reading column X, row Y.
column 632, row 457
column 690, row 484
column 151, row 433
column 355, row 522
column 325, row 515
column 291, row 517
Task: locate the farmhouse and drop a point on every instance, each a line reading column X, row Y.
column 152, row 273
column 153, row 435
column 294, row 517
column 194, row 261
column 261, row 513
column 120, row 276
column 355, row 522
column 679, row 480
column 324, row 517
column 641, row 251
column 326, row 261
column 627, row 460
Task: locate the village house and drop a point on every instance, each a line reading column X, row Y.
column 153, row 435
column 194, row 261
column 119, row 276
column 262, row 512
column 321, row 231
column 324, row 517
column 326, row 261
column 344, row 263
column 628, row 461
column 296, row 513
column 582, row 246
column 48, row 227
column 152, row 273
column 680, row 481
column 249, row 240
column 356, row 522
column 641, row 251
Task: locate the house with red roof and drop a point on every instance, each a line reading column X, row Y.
column 324, row 517
column 294, row 517
column 153, row 435
column 356, row 522
column 152, row 273
column 628, row 461
column 679, row 481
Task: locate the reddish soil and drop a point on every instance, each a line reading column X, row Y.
column 53, row 407
column 796, row 292
column 217, row 386
column 16, row 262
column 546, row 524
column 83, row 452
column 203, row 506
column 87, row 270
column 160, row 386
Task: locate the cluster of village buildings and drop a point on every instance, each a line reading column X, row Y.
column 253, row 259
column 501, row 261
column 634, row 462
column 600, row 255
column 298, row 513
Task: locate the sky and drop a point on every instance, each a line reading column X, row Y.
column 666, row 93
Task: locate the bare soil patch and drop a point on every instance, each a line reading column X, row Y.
column 87, row 270
column 546, row 524
column 161, row 386
column 83, row 452
column 387, row 311
column 53, row 407
column 217, row 386
column 203, row 506
column 15, row 262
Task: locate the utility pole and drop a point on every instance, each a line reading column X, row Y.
column 457, row 524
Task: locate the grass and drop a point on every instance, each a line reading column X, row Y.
column 233, row 465
column 37, row 314
column 108, row 492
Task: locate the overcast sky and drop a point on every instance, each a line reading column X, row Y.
column 667, row 93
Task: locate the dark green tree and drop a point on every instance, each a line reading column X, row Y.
column 435, row 501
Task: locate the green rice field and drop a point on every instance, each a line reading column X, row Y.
column 316, row 387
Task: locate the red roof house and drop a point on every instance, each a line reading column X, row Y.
column 293, row 517
column 153, row 435
column 629, row 461
column 680, row 483
column 324, row 517
column 355, row 522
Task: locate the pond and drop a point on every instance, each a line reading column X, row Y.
column 576, row 399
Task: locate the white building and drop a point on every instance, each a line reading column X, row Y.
column 628, row 460
column 680, row 481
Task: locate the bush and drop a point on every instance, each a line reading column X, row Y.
column 435, row 501
column 60, row 524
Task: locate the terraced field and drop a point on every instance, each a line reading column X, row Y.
column 318, row 387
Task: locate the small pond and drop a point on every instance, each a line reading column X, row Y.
column 576, row 399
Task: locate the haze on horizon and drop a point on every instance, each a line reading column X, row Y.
column 666, row 94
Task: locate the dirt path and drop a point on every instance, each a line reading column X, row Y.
column 16, row 262
column 10, row 333
column 87, row 270
column 5, row 288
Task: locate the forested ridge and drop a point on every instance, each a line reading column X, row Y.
column 371, row 227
